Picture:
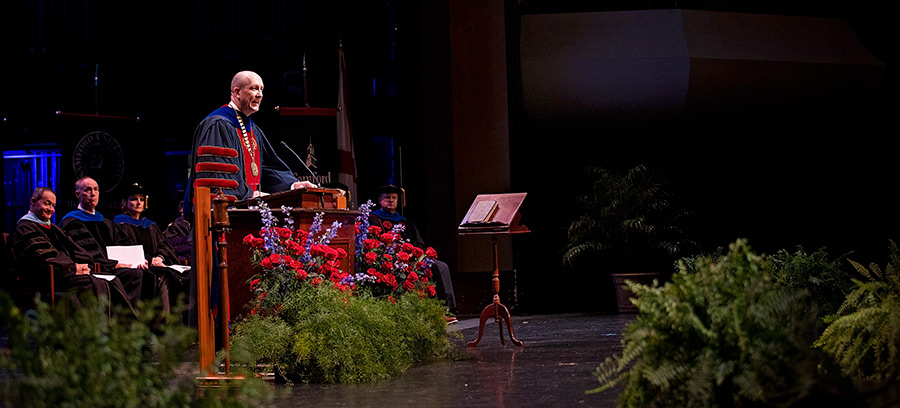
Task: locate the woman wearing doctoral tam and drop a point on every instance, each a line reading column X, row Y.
column 140, row 230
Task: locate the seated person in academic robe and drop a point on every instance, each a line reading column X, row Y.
column 139, row 230
column 387, row 217
column 178, row 233
column 93, row 232
column 37, row 242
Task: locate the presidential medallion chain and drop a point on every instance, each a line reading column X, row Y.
column 250, row 144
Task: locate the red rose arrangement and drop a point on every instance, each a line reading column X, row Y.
column 388, row 264
column 289, row 258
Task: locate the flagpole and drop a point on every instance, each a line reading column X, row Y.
column 400, row 177
column 305, row 93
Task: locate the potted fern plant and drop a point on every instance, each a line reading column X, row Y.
column 628, row 225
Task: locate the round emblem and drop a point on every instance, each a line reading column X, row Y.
column 99, row 156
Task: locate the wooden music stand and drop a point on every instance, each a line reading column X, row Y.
column 494, row 214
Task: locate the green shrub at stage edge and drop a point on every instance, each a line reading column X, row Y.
column 60, row 357
column 323, row 335
column 723, row 335
column 864, row 335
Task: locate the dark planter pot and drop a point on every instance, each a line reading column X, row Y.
column 624, row 295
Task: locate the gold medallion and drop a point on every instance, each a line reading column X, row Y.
column 254, row 169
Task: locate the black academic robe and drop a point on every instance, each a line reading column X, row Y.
column 147, row 234
column 95, row 237
column 387, row 222
column 218, row 159
column 178, row 233
column 36, row 245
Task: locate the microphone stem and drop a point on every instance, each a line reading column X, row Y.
column 315, row 177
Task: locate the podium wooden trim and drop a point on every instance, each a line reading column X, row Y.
column 203, row 244
column 505, row 221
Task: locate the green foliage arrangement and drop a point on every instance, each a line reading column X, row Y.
column 629, row 219
column 827, row 282
column 863, row 335
column 323, row 335
column 64, row 357
column 723, row 335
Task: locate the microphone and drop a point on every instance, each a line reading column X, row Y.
column 315, row 177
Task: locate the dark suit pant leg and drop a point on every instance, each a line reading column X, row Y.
column 444, row 284
column 133, row 281
column 158, row 282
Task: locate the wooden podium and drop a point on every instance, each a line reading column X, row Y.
column 494, row 214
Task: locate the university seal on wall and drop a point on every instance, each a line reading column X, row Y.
column 99, row 156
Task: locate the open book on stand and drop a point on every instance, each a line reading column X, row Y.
column 482, row 212
column 494, row 213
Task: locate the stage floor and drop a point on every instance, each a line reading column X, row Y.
column 553, row 369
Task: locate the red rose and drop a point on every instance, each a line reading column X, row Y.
column 253, row 283
column 390, row 280
column 418, row 252
column 270, row 261
column 259, row 243
column 371, row 257
column 283, row 233
column 403, row 256
column 316, row 281
column 294, row 248
column 371, row 243
column 388, row 257
column 392, row 300
column 407, row 247
column 318, row 250
column 374, row 230
column 430, row 291
column 248, row 239
column 409, row 285
column 387, row 266
column 341, row 253
column 301, row 274
column 387, row 238
column 412, row 277
column 431, row 253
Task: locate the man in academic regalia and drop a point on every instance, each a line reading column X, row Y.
column 140, row 230
column 387, row 218
column 93, row 232
column 231, row 152
column 36, row 242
